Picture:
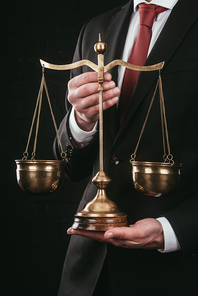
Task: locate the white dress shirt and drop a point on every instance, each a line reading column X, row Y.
column 83, row 138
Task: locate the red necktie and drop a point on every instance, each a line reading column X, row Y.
column 147, row 13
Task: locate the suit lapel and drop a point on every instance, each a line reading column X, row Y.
column 115, row 43
column 116, row 34
column 180, row 21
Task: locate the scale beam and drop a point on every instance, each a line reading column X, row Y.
column 106, row 68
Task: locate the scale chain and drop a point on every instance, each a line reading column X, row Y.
column 38, row 108
column 167, row 157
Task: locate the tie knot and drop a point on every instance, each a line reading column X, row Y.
column 148, row 12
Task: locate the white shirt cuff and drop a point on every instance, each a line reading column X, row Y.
column 82, row 138
column 171, row 243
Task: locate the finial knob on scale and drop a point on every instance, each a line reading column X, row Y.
column 100, row 47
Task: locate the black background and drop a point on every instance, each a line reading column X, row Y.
column 33, row 228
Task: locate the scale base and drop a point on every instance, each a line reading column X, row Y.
column 99, row 223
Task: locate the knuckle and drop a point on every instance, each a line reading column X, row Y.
column 86, row 89
column 107, row 76
column 106, row 95
column 107, row 104
column 142, row 233
column 120, row 234
column 79, row 105
column 70, row 97
column 85, row 77
column 78, row 93
column 72, row 82
column 109, row 94
column 95, row 109
column 116, row 244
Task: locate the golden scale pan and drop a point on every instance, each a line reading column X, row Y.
column 150, row 178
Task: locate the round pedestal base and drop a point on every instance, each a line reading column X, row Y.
column 99, row 223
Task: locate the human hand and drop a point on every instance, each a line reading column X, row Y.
column 144, row 234
column 83, row 94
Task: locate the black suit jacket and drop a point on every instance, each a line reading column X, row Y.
column 141, row 272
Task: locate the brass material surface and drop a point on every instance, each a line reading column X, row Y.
column 100, row 47
column 40, row 176
column 101, row 205
column 37, row 112
column 99, row 223
column 155, row 178
column 155, row 67
column 70, row 66
column 95, row 67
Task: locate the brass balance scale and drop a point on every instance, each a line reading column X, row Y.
column 150, row 178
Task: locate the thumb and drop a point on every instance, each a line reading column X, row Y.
column 117, row 233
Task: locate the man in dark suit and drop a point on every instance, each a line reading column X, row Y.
column 153, row 256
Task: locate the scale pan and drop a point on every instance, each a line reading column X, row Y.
column 155, row 178
column 40, row 176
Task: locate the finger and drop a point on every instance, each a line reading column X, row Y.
column 86, row 90
column 127, row 244
column 145, row 233
column 96, row 235
column 99, row 236
column 86, row 78
column 91, row 114
column 111, row 93
column 121, row 233
column 91, row 94
column 92, row 101
column 82, row 79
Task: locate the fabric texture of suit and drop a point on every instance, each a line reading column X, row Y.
column 141, row 272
